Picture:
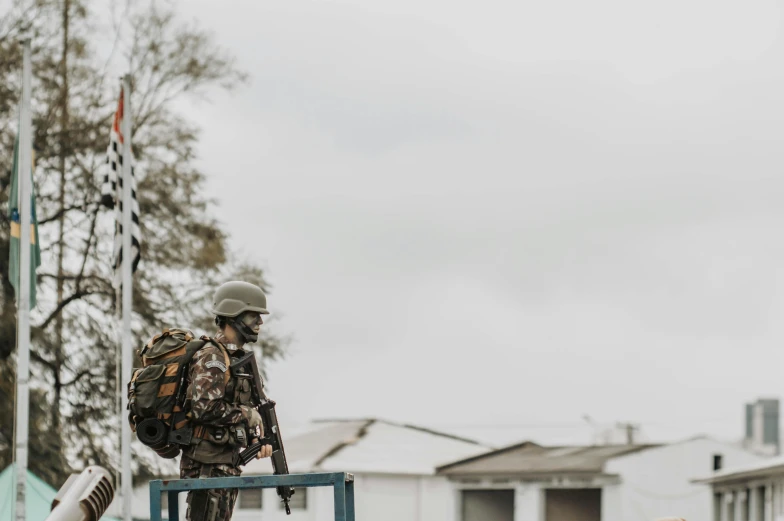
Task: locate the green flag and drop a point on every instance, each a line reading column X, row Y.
column 15, row 218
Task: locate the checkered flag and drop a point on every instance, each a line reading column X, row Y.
column 111, row 196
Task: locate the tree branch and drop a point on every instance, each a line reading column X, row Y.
column 87, row 246
column 75, row 296
column 76, row 378
column 60, row 213
column 35, row 356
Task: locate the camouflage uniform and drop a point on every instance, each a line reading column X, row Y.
column 214, row 401
column 198, row 500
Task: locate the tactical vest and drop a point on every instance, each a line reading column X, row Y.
column 159, row 400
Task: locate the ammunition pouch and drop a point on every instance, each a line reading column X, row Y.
column 217, row 435
column 211, row 444
column 234, row 435
column 240, row 435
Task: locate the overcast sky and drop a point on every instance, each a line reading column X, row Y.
column 492, row 214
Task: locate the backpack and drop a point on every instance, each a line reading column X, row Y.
column 156, row 392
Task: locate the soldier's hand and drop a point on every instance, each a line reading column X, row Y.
column 265, row 452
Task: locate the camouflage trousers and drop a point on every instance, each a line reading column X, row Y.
column 209, row 505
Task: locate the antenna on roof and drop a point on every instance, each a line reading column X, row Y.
column 590, row 422
column 631, row 429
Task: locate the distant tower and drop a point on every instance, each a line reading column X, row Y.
column 762, row 426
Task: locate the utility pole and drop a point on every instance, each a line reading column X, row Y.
column 630, row 429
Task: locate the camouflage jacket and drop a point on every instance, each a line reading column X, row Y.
column 209, row 402
column 214, row 397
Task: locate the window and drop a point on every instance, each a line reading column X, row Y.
column 299, row 501
column 250, row 498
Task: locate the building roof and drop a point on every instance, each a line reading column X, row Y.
column 764, row 469
column 370, row 445
column 531, row 459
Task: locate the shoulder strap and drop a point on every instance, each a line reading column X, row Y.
column 191, row 348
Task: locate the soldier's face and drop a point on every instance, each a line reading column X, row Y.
column 253, row 320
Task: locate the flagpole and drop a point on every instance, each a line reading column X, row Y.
column 23, row 298
column 127, row 292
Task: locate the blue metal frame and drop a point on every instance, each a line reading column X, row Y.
column 342, row 483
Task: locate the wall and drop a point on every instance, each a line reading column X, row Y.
column 529, row 502
column 656, row 482
column 140, row 504
column 271, row 508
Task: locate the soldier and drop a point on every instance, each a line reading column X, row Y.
column 222, row 417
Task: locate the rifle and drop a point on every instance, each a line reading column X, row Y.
column 269, row 420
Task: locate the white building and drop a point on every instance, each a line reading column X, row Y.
column 393, row 464
column 411, row 473
column 748, row 493
column 529, row 482
column 657, row 482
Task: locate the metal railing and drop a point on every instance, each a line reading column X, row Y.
column 341, row 482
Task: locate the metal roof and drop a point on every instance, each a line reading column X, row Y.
column 370, row 445
column 529, row 458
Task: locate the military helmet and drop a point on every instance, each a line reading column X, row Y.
column 235, row 297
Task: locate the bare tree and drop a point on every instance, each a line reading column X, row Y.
column 184, row 251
